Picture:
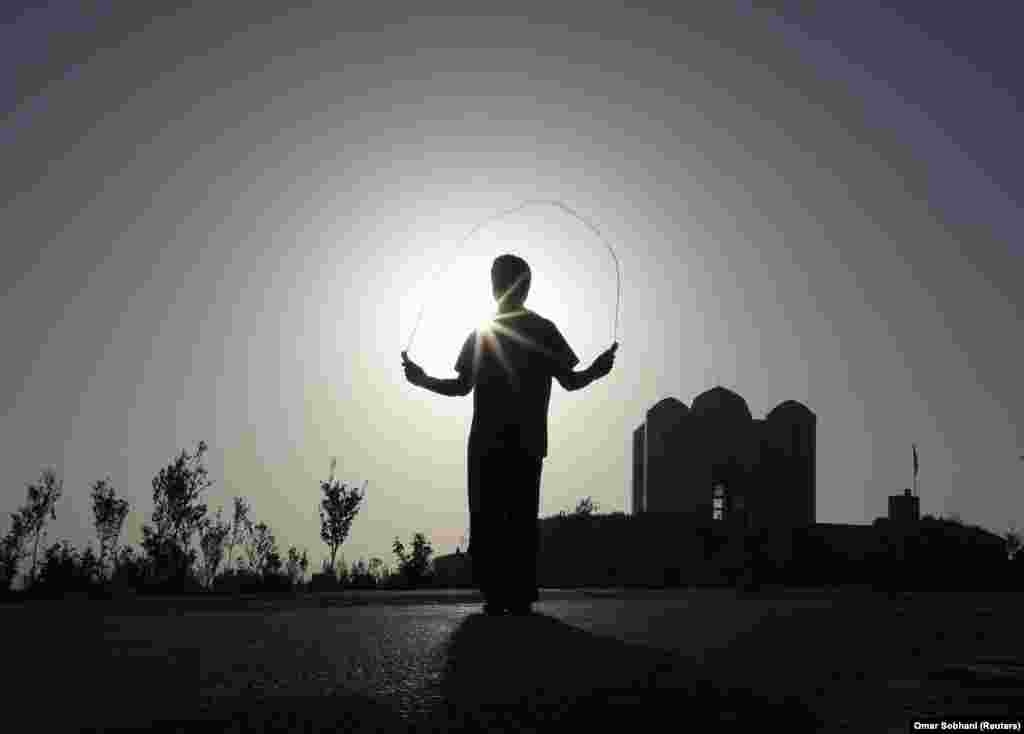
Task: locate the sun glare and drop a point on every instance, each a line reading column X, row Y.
column 573, row 284
column 486, row 325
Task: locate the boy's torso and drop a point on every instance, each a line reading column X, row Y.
column 512, row 389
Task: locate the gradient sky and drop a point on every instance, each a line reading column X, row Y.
column 221, row 225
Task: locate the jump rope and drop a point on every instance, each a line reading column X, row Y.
column 460, row 245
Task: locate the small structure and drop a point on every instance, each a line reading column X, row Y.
column 713, row 459
column 454, row 569
column 904, row 509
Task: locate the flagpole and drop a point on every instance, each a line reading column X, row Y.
column 914, row 447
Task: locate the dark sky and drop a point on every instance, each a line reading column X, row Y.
column 218, row 224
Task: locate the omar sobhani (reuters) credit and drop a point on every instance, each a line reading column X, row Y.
column 965, row 724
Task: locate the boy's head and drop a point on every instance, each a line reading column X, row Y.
column 510, row 280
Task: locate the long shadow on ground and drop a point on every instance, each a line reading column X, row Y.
column 495, row 674
column 538, row 673
column 372, row 669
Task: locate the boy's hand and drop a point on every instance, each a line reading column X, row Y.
column 603, row 364
column 413, row 372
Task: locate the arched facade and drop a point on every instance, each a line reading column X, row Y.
column 715, row 459
column 665, row 427
column 788, row 455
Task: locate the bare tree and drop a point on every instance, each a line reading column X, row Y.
column 12, row 551
column 1013, row 542
column 376, row 569
column 31, row 519
column 585, row 506
column 211, row 541
column 359, row 573
column 338, row 569
column 177, row 512
column 241, row 525
column 259, row 547
column 415, row 566
column 108, row 513
column 273, row 564
column 338, row 508
column 296, row 565
column 304, row 563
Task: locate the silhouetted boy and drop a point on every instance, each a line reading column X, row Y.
column 510, row 364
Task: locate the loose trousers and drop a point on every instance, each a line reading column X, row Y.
column 504, row 501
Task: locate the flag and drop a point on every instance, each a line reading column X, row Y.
column 915, row 460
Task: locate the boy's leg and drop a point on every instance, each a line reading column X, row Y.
column 477, row 548
column 485, row 521
column 523, row 501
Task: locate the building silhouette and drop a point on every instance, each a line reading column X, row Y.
column 905, row 509
column 453, row 569
column 714, row 460
column 722, row 498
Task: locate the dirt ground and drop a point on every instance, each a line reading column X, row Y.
column 801, row 660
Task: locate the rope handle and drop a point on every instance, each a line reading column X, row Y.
column 541, row 202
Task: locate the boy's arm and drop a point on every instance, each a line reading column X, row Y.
column 601, row 366
column 572, row 380
column 461, row 385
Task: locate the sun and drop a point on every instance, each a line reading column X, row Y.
column 457, row 303
column 485, row 326
column 570, row 284
column 465, row 293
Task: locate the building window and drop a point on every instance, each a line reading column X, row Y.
column 718, row 502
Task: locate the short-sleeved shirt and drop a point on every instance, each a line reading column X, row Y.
column 513, row 362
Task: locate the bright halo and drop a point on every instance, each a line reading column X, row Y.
column 486, row 325
column 573, row 284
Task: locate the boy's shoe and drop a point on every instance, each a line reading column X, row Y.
column 493, row 609
column 521, row 609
